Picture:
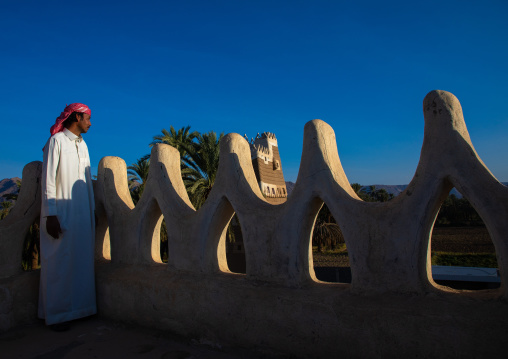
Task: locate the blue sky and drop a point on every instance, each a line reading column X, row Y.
column 253, row 66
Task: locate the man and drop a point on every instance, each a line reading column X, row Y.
column 67, row 285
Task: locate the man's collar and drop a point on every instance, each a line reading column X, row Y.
column 72, row 136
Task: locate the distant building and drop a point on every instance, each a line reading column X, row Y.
column 267, row 167
column 265, row 158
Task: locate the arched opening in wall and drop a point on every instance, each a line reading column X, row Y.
column 329, row 251
column 163, row 241
column 157, row 235
column 153, row 225
column 462, row 253
column 30, row 258
column 235, row 249
column 105, row 248
column 150, row 243
column 102, row 240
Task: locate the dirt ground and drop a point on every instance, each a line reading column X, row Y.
column 98, row 338
column 444, row 239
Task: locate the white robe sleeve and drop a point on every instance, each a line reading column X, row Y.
column 49, row 171
column 88, row 174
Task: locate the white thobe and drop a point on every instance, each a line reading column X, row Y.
column 67, row 285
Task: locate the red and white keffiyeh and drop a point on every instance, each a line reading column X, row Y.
column 73, row 107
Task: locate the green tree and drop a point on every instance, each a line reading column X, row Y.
column 199, row 156
column 180, row 139
column 381, row 195
column 200, row 166
column 137, row 174
column 371, row 194
column 6, row 207
column 356, row 187
column 30, row 256
column 362, row 192
column 327, row 233
column 458, row 212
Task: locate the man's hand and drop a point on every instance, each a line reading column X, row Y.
column 53, row 226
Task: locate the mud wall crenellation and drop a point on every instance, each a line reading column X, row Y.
column 392, row 306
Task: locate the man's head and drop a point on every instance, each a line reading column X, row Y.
column 78, row 116
column 77, row 122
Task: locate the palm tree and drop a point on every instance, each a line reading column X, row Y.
column 381, row 195
column 356, row 187
column 326, row 235
column 200, row 166
column 178, row 140
column 199, row 155
column 137, row 174
column 362, row 191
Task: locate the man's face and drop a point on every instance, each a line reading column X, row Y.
column 84, row 123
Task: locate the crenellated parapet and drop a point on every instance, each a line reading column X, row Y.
column 388, row 243
column 279, row 302
column 262, row 146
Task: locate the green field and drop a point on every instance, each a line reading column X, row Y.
column 450, row 246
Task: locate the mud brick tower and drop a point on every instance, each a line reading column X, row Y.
column 267, row 166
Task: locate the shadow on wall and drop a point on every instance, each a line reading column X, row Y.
column 235, row 249
column 388, row 245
